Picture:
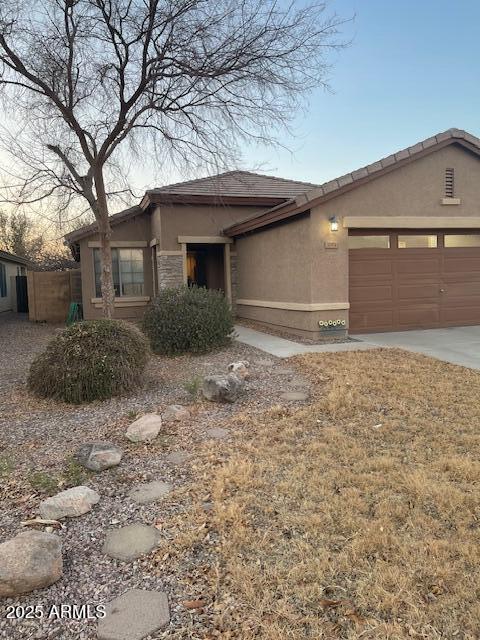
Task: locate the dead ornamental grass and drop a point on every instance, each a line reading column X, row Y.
column 357, row 516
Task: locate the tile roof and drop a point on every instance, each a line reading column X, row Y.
column 115, row 218
column 238, row 184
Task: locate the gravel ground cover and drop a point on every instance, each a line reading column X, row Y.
column 39, row 438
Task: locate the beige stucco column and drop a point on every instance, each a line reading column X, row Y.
column 184, row 262
column 228, row 272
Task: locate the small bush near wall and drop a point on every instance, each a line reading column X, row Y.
column 90, row 360
column 188, row 319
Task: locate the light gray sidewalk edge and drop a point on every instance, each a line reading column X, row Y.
column 282, row 348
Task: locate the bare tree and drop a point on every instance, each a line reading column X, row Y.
column 188, row 79
column 24, row 237
column 19, row 236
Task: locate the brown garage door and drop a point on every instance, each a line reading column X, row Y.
column 413, row 280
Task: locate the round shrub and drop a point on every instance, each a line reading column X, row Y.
column 90, row 360
column 188, row 320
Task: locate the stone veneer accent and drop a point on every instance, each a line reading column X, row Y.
column 170, row 271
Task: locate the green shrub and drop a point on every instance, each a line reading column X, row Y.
column 90, row 360
column 43, row 482
column 193, row 385
column 6, row 467
column 188, row 319
column 73, row 474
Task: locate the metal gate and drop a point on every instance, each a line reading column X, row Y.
column 22, row 295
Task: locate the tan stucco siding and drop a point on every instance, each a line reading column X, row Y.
column 156, row 225
column 274, row 264
column 198, row 220
column 135, row 229
column 417, row 189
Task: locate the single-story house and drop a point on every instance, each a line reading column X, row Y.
column 10, row 266
column 394, row 245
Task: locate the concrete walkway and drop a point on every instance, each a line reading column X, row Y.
column 283, row 348
column 458, row 345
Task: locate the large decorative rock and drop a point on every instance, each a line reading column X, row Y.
column 150, row 492
column 175, row 413
column 218, row 433
column 178, row 457
column 221, row 388
column 240, row 368
column 31, row 560
column 131, row 542
column 98, row 456
column 134, row 615
column 69, row 503
column 145, row 428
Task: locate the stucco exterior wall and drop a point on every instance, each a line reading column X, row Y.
column 274, row 277
column 135, row 229
column 273, row 264
column 198, row 220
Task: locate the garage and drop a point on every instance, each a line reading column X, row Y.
column 419, row 279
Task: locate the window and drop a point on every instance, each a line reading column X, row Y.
column 458, row 241
column 449, row 183
column 417, row 242
column 369, row 242
column 3, row 281
column 127, row 267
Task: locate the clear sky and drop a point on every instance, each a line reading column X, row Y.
column 412, row 70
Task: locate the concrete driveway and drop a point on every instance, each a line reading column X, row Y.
column 459, row 345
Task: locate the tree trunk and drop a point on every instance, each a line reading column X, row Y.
column 108, row 291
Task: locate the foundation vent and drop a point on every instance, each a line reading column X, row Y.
column 449, row 183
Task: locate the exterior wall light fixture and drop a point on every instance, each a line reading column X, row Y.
column 333, row 223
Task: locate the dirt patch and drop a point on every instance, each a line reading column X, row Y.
column 356, row 516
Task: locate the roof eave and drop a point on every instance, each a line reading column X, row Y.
column 168, row 197
column 117, row 218
column 276, row 214
column 10, row 257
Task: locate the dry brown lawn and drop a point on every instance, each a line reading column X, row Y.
column 357, row 516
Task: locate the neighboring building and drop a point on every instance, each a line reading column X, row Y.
column 10, row 266
column 394, row 245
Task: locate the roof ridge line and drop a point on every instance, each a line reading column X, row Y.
column 230, row 173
